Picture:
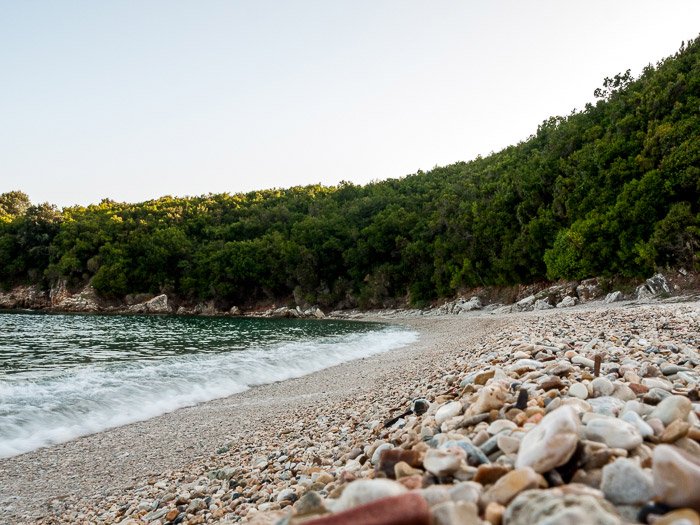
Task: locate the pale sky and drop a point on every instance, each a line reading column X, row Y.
column 133, row 100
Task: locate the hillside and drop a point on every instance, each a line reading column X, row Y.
column 612, row 190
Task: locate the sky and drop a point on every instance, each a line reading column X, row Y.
column 133, row 100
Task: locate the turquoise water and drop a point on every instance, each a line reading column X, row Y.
column 64, row 376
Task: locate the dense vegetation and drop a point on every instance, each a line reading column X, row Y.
column 610, row 190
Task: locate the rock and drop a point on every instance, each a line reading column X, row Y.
column 500, row 425
column 389, row 458
column 578, row 390
column 447, row 411
column 234, row 310
column 567, row 302
column 526, row 303
column 287, row 495
column 494, row 513
column 625, row 483
column 583, row 361
column 672, row 408
column 676, row 477
column 613, row 297
column 542, row 304
column 615, row 433
column 309, row 503
column 552, row 442
column 406, row 508
column 442, row 462
column 675, row 431
column 364, row 491
column 468, row 491
column 158, row 305
column 467, row 306
column 588, row 290
column 607, row 405
column 554, row 506
column 601, row 386
column 508, row 444
column 490, row 397
column 512, row 484
column 642, row 426
column 455, row 513
column 679, row 517
column 377, row 454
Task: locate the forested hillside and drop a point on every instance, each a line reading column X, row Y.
column 609, row 190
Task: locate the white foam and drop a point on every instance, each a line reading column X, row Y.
column 38, row 412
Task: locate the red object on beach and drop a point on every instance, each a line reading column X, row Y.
column 407, row 509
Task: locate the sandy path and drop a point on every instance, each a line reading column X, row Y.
column 84, row 472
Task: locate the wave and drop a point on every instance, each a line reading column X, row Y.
column 38, row 412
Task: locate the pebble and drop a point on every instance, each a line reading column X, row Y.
column 601, row 386
column 676, row 477
column 578, row 390
column 442, row 462
column 365, row 491
column 512, row 484
column 615, row 433
column 448, row 411
column 551, row 443
column 672, row 408
column 625, row 482
column 553, row 506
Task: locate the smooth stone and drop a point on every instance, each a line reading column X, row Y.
column 583, row 361
column 469, row 491
column 491, row 397
column 551, row 443
column 672, row 408
column 675, row 431
column 657, row 382
column 376, row 456
column 635, row 419
column 615, row 433
column 607, row 405
column 475, row 456
column 512, row 484
column 623, row 392
column 656, row 395
column 676, row 477
column 455, row 513
column 490, row 473
column 500, row 425
column 364, row 491
column 309, row 503
column 442, row 462
column 679, row 517
column 448, row 411
column 602, row 386
column 554, row 506
column 578, row 390
column 435, row 494
column 508, row 444
column 625, row 483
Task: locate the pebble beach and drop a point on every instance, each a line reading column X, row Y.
column 583, row 415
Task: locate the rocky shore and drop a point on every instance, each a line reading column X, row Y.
column 586, row 415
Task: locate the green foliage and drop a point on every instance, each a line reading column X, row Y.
column 611, row 190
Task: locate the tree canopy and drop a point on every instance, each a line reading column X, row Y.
column 609, row 190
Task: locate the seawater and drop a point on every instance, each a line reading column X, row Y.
column 65, row 376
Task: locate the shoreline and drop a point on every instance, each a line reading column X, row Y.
column 111, row 461
column 329, row 412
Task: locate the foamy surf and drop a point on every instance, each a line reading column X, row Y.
column 42, row 410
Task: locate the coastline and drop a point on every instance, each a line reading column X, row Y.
column 86, row 470
column 329, row 412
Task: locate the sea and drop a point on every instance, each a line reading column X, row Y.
column 64, row 376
